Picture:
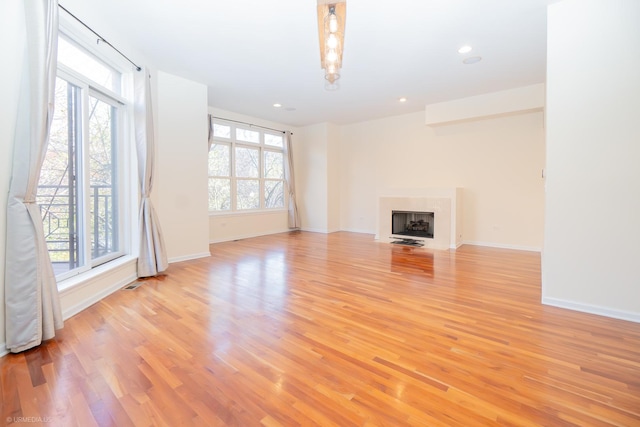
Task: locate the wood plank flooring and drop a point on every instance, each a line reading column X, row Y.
column 332, row 330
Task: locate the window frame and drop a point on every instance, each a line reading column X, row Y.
column 122, row 173
column 119, row 175
column 233, row 142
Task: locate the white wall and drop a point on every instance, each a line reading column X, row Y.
column 180, row 188
column 12, row 40
column 232, row 226
column 498, row 162
column 333, row 178
column 592, row 233
column 317, row 177
column 310, row 163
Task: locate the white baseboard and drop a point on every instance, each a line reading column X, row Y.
column 3, row 349
column 189, row 257
column 316, row 230
column 592, row 309
column 502, row 246
column 77, row 308
column 247, row 236
column 361, row 231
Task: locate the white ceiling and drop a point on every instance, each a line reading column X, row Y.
column 254, row 53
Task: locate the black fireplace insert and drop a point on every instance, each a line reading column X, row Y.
column 413, row 224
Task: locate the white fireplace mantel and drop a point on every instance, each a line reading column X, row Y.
column 445, row 203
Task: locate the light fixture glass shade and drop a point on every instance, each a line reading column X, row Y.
column 332, row 57
column 332, row 41
column 332, row 77
column 331, row 23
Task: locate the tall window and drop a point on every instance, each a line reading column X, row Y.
column 79, row 188
column 246, row 168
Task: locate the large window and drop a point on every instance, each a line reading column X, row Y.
column 246, row 168
column 79, row 191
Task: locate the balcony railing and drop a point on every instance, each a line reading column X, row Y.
column 61, row 224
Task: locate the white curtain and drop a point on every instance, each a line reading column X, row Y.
column 32, row 304
column 210, row 139
column 153, row 255
column 294, row 216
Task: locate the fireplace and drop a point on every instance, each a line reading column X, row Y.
column 413, row 224
column 443, row 203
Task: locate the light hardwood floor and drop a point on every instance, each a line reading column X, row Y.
column 311, row 329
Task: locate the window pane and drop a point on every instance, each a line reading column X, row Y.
column 248, row 196
column 222, row 131
column 58, row 193
column 219, row 194
column 247, row 135
column 274, row 194
column 247, row 162
column 273, row 165
column 103, row 196
column 219, row 160
column 88, row 65
column 274, row 140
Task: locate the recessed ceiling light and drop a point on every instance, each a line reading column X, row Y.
column 472, row 60
column 465, row 49
column 403, row 99
column 277, row 105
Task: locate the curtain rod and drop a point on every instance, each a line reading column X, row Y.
column 249, row 124
column 100, row 38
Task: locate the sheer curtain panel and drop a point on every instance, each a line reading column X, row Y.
column 293, row 216
column 210, row 139
column 31, row 293
column 153, row 255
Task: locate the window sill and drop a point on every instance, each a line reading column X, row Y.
column 87, row 277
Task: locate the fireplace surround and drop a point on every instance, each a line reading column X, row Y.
column 440, row 207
